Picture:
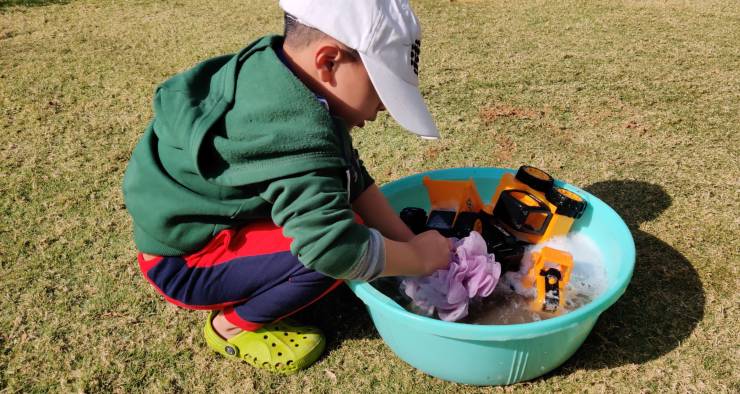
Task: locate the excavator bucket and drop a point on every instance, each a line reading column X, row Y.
column 458, row 196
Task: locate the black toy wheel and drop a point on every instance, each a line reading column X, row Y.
column 567, row 203
column 535, row 178
column 415, row 218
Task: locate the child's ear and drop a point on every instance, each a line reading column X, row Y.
column 326, row 59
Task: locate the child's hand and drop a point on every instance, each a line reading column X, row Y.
column 422, row 255
column 433, row 250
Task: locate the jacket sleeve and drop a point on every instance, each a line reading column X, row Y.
column 314, row 211
column 361, row 178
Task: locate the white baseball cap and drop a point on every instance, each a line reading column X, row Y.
column 387, row 36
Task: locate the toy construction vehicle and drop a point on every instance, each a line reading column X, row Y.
column 532, row 208
column 550, row 272
column 526, row 208
column 456, row 210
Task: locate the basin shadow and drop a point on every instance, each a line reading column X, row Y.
column 341, row 315
column 664, row 300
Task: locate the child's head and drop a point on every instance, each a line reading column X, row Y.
column 362, row 56
column 334, row 71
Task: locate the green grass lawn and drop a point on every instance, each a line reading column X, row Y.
column 637, row 102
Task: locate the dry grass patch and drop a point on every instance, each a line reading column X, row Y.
column 491, row 113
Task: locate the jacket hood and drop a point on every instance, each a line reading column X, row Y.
column 243, row 122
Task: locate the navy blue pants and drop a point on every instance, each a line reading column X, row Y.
column 248, row 273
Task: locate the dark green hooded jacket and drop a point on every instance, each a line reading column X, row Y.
column 239, row 138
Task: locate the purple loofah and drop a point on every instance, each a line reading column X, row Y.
column 472, row 273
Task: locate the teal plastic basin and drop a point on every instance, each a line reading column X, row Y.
column 500, row 354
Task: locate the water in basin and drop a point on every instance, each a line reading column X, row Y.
column 511, row 304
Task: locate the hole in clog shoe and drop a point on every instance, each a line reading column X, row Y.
column 289, row 362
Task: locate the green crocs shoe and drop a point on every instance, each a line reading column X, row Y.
column 278, row 347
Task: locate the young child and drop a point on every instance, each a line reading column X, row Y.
column 245, row 189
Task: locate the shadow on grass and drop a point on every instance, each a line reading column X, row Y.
column 29, row 3
column 665, row 299
column 341, row 315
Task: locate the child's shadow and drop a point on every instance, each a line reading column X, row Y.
column 664, row 300
column 341, row 315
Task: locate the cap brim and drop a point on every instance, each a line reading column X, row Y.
column 401, row 99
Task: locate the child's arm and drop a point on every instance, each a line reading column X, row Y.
column 405, row 253
column 313, row 211
column 376, row 212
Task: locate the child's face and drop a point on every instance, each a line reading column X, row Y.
column 344, row 82
column 355, row 99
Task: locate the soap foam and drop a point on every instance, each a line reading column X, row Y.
column 510, row 302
